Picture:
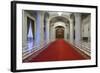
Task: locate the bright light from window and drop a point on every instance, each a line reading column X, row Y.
column 30, row 35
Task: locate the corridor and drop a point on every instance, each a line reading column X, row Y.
column 59, row 50
column 55, row 36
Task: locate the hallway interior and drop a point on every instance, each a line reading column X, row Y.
column 55, row 36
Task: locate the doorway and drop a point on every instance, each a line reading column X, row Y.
column 59, row 32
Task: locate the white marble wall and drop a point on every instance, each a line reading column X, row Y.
column 86, row 32
column 86, row 25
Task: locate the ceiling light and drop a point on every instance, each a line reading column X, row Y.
column 59, row 13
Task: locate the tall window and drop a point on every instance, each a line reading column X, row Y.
column 30, row 33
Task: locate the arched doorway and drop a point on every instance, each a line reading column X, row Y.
column 59, row 24
column 59, row 32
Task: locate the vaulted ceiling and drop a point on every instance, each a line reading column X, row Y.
column 59, row 19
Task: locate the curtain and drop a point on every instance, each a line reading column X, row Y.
column 29, row 20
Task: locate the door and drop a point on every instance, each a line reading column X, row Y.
column 59, row 33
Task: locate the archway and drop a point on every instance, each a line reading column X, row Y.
column 59, row 28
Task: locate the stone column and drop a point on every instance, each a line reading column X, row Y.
column 53, row 31
column 47, row 31
column 71, row 31
column 38, row 30
column 77, row 29
column 42, row 29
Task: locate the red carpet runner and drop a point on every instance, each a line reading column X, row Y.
column 58, row 51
